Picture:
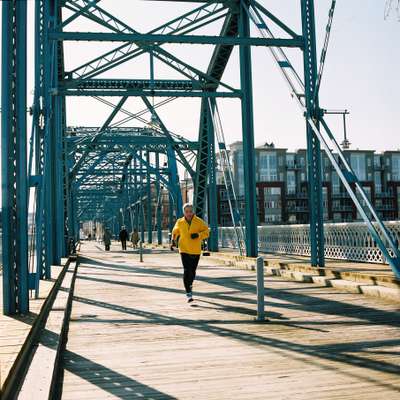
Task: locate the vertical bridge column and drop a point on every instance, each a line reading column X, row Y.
column 313, row 144
column 248, row 134
column 212, row 181
column 14, row 158
column 159, row 203
column 148, row 200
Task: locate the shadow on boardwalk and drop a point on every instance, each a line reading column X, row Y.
column 119, row 385
column 356, row 354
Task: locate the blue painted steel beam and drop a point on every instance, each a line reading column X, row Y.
column 180, row 39
column 40, row 144
column 149, row 211
column 98, row 135
column 141, row 205
column 212, row 184
column 185, row 23
column 158, row 203
column 155, row 93
column 168, row 136
column 152, row 84
column 150, row 141
column 175, row 183
column 215, row 70
column 248, row 135
column 313, row 144
column 274, row 19
column 14, row 158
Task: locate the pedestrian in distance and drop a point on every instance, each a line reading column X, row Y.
column 188, row 234
column 123, row 237
column 134, row 238
column 107, row 239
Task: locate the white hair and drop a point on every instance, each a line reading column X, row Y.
column 186, row 205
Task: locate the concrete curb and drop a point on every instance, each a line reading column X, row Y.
column 378, row 286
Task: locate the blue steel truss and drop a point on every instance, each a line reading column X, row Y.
column 114, row 172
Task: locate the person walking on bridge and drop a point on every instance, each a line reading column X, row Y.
column 134, row 238
column 123, row 237
column 188, row 234
column 107, row 239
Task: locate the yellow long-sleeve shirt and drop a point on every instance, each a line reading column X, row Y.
column 183, row 229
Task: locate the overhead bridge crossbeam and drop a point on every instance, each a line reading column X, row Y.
column 139, row 87
column 156, row 84
column 179, row 39
column 116, row 139
column 147, row 92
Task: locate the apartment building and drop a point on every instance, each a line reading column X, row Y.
column 282, row 185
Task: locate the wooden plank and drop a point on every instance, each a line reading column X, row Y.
column 132, row 335
column 40, row 377
column 14, row 330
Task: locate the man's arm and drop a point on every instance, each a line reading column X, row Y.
column 204, row 232
column 175, row 231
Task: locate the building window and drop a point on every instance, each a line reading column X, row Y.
column 240, row 173
column 268, row 167
column 396, row 167
column 378, row 181
column 291, row 182
column 335, row 183
column 357, row 162
column 274, row 191
column 290, row 160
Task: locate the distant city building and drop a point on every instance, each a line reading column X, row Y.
column 282, row 186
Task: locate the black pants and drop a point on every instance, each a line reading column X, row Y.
column 190, row 262
column 123, row 244
column 107, row 247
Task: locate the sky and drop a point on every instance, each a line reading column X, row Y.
column 361, row 74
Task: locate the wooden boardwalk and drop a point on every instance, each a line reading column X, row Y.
column 133, row 336
column 14, row 330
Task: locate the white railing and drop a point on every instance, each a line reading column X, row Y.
column 343, row 241
column 164, row 236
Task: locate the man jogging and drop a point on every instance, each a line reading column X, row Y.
column 188, row 233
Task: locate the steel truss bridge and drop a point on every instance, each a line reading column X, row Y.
column 73, row 174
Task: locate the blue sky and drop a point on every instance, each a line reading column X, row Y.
column 361, row 74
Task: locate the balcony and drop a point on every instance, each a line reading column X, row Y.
column 385, row 207
column 293, row 166
column 291, row 196
column 299, row 209
column 342, row 208
column 384, row 194
column 341, row 195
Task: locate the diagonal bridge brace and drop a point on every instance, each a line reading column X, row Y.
column 96, row 137
column 114, row 57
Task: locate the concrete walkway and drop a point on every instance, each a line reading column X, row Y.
column 133, row 336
